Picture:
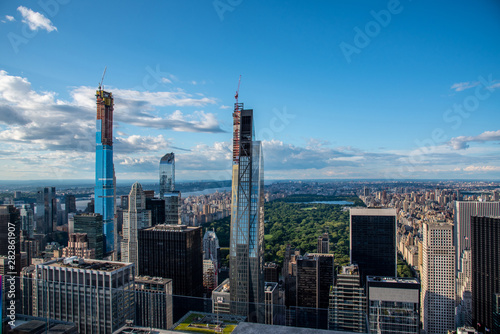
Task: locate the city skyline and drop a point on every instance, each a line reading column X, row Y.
column 365, row 90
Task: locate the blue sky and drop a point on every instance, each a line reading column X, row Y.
column 340, row 89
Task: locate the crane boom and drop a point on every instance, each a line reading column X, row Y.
column 238, row 90
column 102, row 79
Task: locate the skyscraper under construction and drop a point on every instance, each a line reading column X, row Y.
column 247, row 219
column 104, row 193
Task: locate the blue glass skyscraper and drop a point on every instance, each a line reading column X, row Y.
column 104, row 194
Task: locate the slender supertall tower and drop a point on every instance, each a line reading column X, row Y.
column 104, row 195
column 247, row 219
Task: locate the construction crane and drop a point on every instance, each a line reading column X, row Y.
column 237, row 91
column 236, row 126
column 102, row 79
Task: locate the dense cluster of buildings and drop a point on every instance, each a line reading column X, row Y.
column 147, row 262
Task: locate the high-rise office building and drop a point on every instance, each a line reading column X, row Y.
column 153, row 302
column 46, row 210
column 211, row 248
column 373, row 241
column 211, row 261
column 393, row 305
column 485, row 251
column 105, row 185
column 27, row 220
column 78, row 245
column 70, row 203
column 92, row 225
column 221, row 298
column 157, row 208
column 98, row 296
column 172, row 207
column 168, row 193
column 26, row 286
column 246, row 254
column 464, row 210
column 167, row 174
column 272, row 311
column 315, row 276
column 271, row 272
column 464, row 291
column 134, row 219
column 173, row 251
column 210, row 276
column 324, row 243
column 438, row 277
column 10, row 226
column 347, row 308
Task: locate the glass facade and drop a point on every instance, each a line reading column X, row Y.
column 373, row 241
column 247, row 220
column 104, row 193
column 393, row 317
column 167, row 174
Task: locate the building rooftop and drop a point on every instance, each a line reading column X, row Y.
column 168, row 158
column 143, row 330
column 251, row 328
column 223, row 287
column 270, row 265
column 351, row 269
column 319, row 255
column 372, row 212
column 270, row 286
column 86, row 264
column 172, row 228
column 405, row 280
column 149, row 279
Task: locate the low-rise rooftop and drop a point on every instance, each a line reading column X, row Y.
column 80, row 263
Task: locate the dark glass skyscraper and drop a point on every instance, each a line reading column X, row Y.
column 373, row 241
column 247, row 219
column 485, row 251
column 46, row 210
column 104, row 194
column 173, row 251
column 10, row 223
column 90, row 223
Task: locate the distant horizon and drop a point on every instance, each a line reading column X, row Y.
column 131, row 181
column 340, row 90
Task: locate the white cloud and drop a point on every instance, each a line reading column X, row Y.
column 473, row 168
column 460, row 86
column 43, row 122
column 462, row 142
column 10, row 18
column 35, row 20
column 224, row 107
column 495, row 85
column 165, row 80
